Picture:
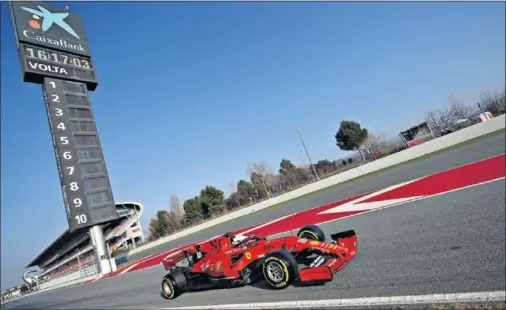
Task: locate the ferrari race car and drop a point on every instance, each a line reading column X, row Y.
column 224, row 262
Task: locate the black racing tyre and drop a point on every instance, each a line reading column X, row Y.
column 311, row 232
column 173, row 284
column 280, row 269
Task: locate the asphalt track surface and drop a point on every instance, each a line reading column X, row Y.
column 445, row 244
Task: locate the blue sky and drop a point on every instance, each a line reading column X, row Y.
column 199, row 90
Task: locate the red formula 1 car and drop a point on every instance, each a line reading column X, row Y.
column 304, row 258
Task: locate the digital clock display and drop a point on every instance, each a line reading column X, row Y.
column 38, row 63
column 57, row 57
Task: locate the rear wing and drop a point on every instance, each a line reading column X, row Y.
column 183, row 257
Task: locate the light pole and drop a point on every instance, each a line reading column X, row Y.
column 307, row 153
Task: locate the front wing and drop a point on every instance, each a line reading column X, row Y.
column 344, row 248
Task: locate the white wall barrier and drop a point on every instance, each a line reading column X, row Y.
column 76, row 277
column 403, row 156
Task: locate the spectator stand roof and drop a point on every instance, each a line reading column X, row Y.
column 67, row 238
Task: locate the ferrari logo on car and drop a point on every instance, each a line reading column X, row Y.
column 248, row 255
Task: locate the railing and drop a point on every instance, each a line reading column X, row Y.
column 68, row 248
column 73, row 266
column 120, row 228
column 118, row 243
column 71, row 276
column 70, row 258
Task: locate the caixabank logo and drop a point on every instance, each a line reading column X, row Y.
column 48, row 19
column 41, row 24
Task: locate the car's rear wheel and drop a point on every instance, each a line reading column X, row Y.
column 280, row 269
column 173, row 284
column 311, row 232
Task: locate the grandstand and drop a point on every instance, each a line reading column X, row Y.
column 71, row 255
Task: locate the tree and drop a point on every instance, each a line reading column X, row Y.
column 154, row 230
column 287, row 173
column 350, row 136
column 374, row 141
column 259, row 186
column 493, row 102
column 458, row 109
column 285, row 166
column 443, row 119
column 260, row 177
column 273, row 182
column 176, row 213
column 372, row 144
column 233, row 201
column 192, row 209
column 439, row 119
column 213, row 200
column 246, row 191
column 176, row 221
column 304, row 175
column 325, row 166
column 212, row 196
column 205, row 210
column 159, row 225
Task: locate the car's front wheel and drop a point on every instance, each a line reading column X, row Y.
column 311, row 232
column 280, row 269
column 173, row 284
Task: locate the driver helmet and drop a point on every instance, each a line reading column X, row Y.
column 238, row 238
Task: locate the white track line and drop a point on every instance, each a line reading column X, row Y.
column 133, row 265
column 401, row 203
column 357, row 205
column 496, row 296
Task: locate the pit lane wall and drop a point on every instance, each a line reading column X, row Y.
column 403, row 156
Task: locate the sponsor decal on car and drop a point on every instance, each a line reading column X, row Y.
column 218, row 266
column 205, row 266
